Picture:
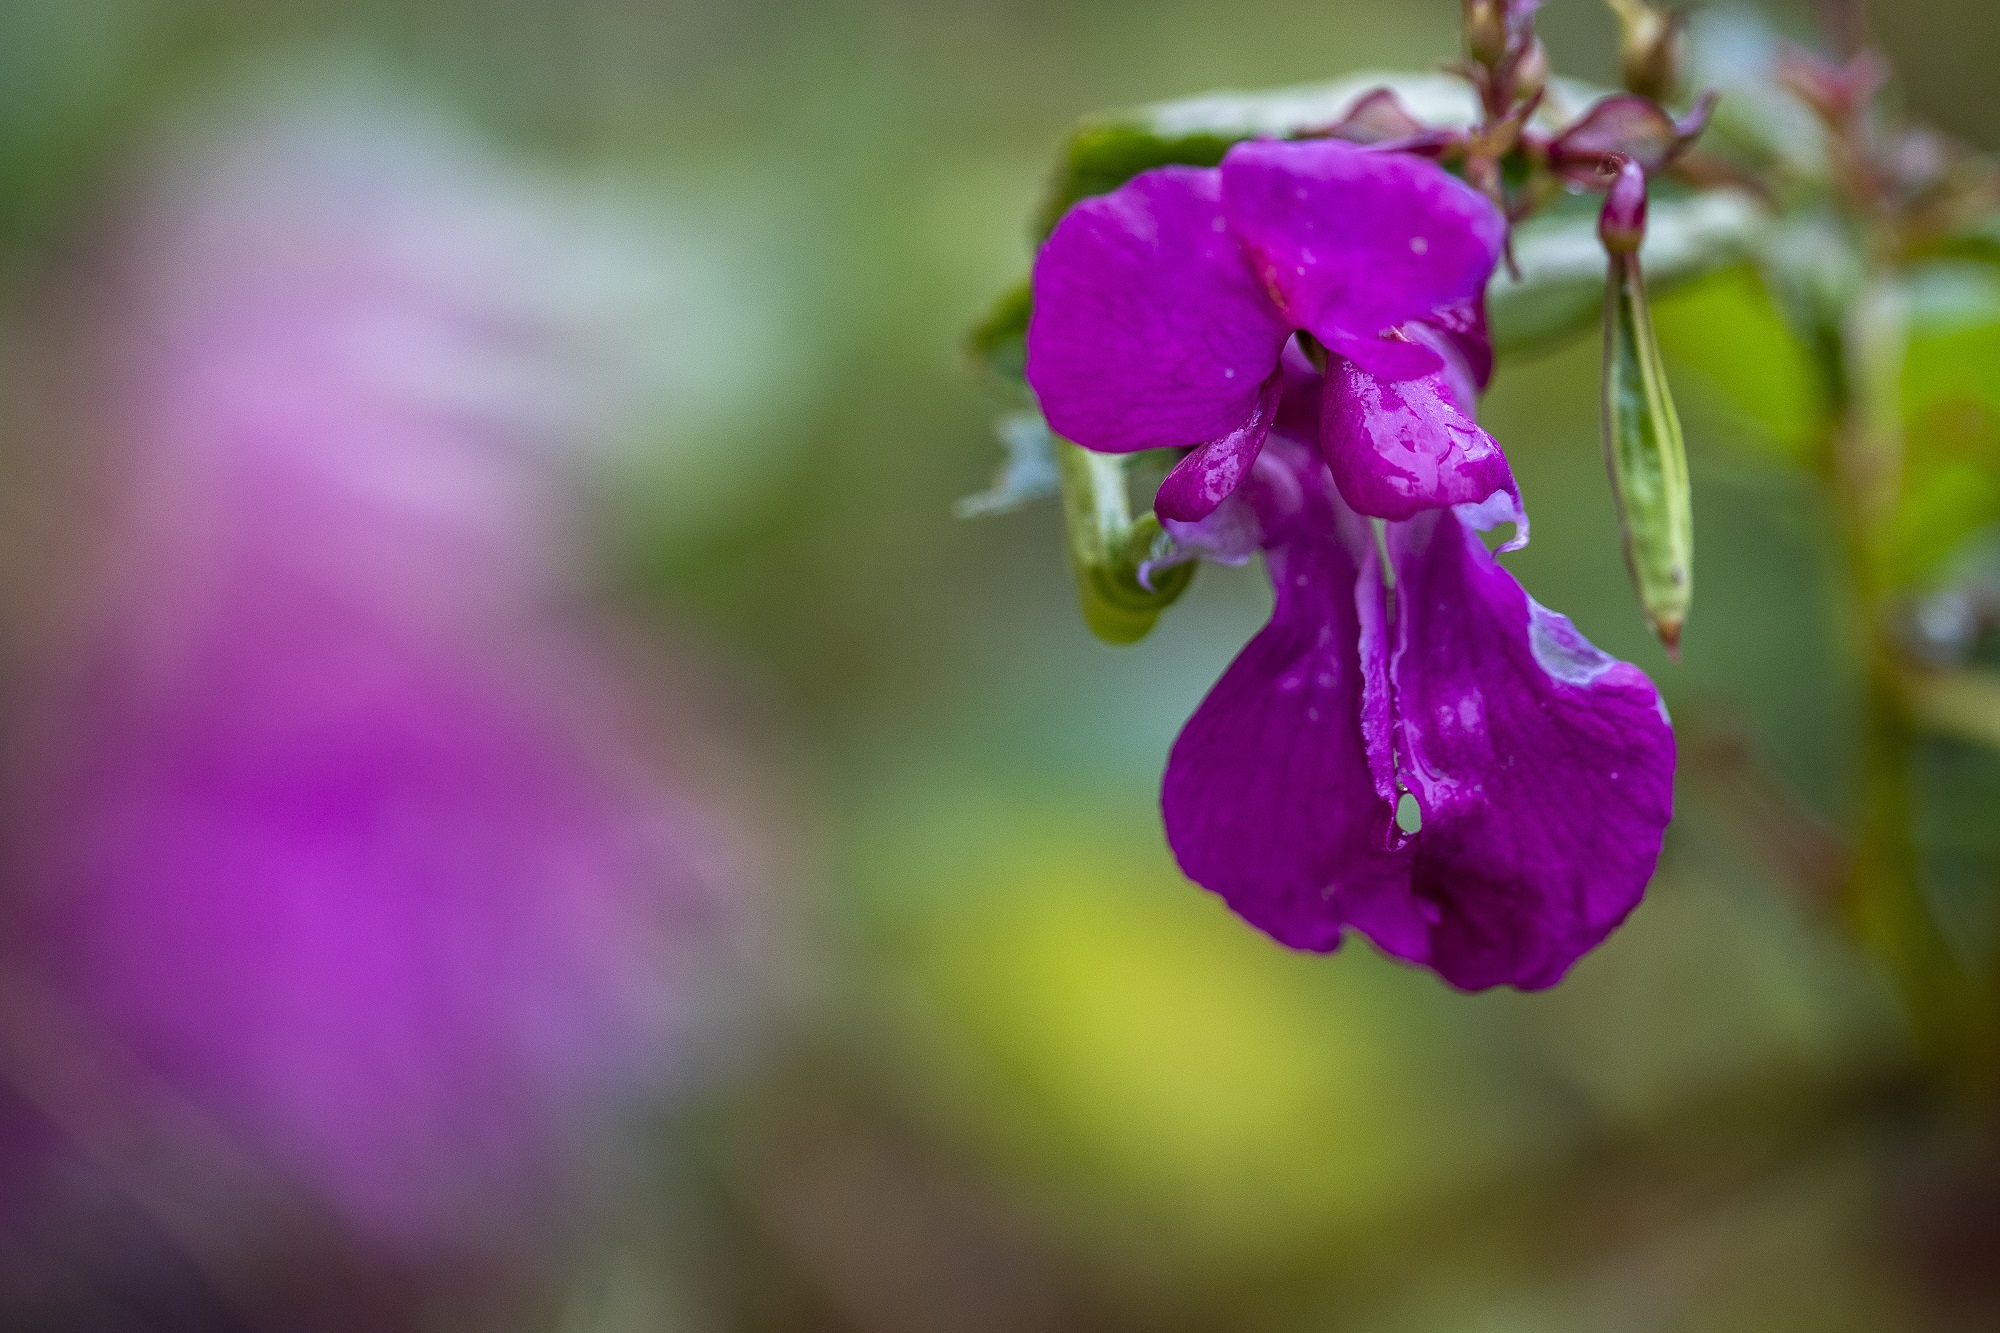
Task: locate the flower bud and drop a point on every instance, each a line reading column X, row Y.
column 1649, row 48
column 1486, row 31
column 1108, row 548
column 1643, row 449
column 1531, row 71
column 1622, row 224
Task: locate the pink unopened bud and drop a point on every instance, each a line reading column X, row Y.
column 1622, row 224
column 1531, row 71
column 1520, row 16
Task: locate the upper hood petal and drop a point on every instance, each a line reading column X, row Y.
column 1352, row 243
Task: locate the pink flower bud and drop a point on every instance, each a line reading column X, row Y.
column 1622, row 224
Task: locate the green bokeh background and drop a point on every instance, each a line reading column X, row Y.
column 1027, row 1077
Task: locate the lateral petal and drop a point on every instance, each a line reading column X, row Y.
column 1543, row 766
column 1211, row 474
column 1149, row 330
column 1399, row 447
column 1269, row 799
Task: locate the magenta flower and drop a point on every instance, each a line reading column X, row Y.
column 1541, row 768
column 1162, row 310
column 340, row 828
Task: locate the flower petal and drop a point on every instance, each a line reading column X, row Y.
column 1464, row 332
column 1500, row 507
column 1149, row 328
column 1269, row 799
column 1625, row 125
column 1401, row 447
column 1543, row 767
column 1211, row 474
column 1378, row 116
column 1298, row 408
column 1353, row 243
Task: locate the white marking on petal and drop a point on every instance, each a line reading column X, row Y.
column 1561, row 651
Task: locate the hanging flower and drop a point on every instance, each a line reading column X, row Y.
column 1539, row 768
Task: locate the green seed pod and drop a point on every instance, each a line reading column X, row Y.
column 1643, row 450
column 1108, row 548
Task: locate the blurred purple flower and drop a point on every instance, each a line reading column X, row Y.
column 1162, row 309
column 337, row 829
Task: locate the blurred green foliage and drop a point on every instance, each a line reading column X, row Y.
column 1022, row 1057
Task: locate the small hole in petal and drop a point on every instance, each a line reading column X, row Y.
column 1409, row 815
column 1418, row 245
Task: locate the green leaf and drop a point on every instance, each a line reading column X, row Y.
column 1105, row 151
column 1723, row 333
column 1561, row 288
column 1950, row 403
column 999, row 342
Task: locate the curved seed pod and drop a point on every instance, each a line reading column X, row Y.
column 1643, row 449
column 1107, row 547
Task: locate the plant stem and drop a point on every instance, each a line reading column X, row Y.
column 1884, row 894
